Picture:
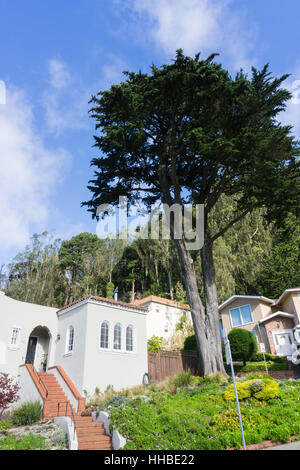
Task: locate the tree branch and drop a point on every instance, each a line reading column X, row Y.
column 230, row 224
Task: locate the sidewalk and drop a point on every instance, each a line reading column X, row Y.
column 293, row 446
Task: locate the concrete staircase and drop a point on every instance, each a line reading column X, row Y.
column 90, row 435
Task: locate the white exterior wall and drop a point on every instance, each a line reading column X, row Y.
column 162, row 319
column 26, row 316
column 73, row 363
column 121, row 369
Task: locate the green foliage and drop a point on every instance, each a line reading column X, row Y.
column 180, row 293
column 154, row 343
column 242, row 343
column 260, row 389
column 29, row 442
column 4, row 426
column 280, row 269
column 182, row 379
column 28, row 413
column 200, row 418
column 243, row 390
column 110, row 287
column 190, row 343
column 258, row 366
column 257, row 357
column 114, row 402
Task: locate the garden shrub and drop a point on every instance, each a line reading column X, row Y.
column 9, row 389
column 154, row 343
column 266, row 390
column 4, row 426
column 114, row 402
column 258, row 357
column 190, row 343
column 242, row 343
column 257, row 366
column 243, row 389
column 182, row 379
column 28, row 413
column 260, row 389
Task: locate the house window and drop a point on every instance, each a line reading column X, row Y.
column 14, row 338
column 129, row 338
column 241, row 315
column 104, row 335
column 117, row 336
column 70, row 340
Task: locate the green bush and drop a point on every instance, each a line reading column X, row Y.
column 260, row 389
column 114, row 402
column 242, row 343
column 182, row 379
column 257, row 366
column 4, row 426
column 154, row 343
column 257, row 357
column 190, row 343
column 28, row 413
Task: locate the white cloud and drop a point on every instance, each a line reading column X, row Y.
column 29, row 173
column 66, row 100
column 291, row 116
column 198, row 26
column 59, row 74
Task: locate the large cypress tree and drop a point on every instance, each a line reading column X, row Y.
column 188, row 133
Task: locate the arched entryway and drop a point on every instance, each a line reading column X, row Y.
column 38, row 347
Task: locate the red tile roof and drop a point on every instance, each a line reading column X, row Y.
column 162, row 300
column 103, row 299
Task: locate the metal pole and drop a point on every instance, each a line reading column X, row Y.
column 229, row 359
column 261, row 341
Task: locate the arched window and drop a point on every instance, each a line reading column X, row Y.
column 70, row 340
column 129, row 338
column 104, row 335
column 117, row 336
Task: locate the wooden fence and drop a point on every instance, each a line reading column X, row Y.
column 164, row 364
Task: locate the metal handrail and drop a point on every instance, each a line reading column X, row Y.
column 72, row 414
column 39, row 379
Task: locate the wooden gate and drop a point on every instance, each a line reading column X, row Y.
column 164, row 364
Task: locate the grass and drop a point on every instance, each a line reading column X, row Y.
column 189, row 414
column 29, row 442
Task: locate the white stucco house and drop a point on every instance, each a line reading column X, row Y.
column 98, row 342
column 163, row 315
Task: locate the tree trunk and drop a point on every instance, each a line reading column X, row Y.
column 205, row 325
column 212, row 318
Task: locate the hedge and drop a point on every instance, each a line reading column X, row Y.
column 257, row 366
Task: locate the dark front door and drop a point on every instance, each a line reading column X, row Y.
column 31, row 350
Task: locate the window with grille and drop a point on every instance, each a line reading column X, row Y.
column 129, row 338
column 104, row 335
column 14, row 339
column 70, row 340
column 117, row 336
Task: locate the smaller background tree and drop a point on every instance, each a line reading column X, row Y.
column 8, row 392
column 155, row 343
column 243, row 344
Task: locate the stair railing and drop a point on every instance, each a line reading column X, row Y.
column 40, row 381
column 68, row 404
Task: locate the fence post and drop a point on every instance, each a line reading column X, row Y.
column 158, row 363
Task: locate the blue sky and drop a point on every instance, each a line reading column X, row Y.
column 55, row 54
